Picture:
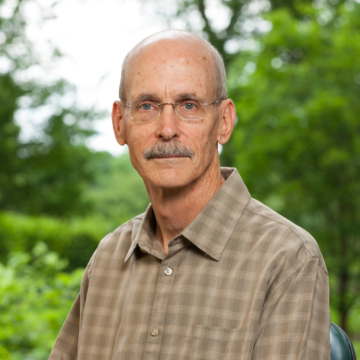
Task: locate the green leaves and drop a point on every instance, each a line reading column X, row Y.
column 35, row 297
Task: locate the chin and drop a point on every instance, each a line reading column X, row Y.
column 169, row 178
column 166, row 172
column 170, row 182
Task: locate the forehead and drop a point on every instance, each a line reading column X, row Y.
column 171, row 66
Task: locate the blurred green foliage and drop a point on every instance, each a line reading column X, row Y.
column 74, row 240
column 118, row 192
column 35, row 297
column 117, row 195
column 229, row 33
column 51, row 168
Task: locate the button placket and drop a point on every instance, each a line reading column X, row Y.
column 158, row 313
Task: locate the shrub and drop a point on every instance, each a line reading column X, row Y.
column 35, row 297
column 74, row 240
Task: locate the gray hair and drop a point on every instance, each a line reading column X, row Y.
column 219, row 67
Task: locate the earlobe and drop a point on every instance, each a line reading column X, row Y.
column 117, row 116
column 227, row 121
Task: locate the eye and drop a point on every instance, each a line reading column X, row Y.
column 190, row 106
column 146, row 107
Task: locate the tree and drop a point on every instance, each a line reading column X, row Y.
column 47, row 172
column 9, row 132
column 296, row 142
column 239, row 19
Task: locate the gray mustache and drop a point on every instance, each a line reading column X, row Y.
column 174, row 148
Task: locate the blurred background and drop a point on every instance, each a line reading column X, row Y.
column 294, row 75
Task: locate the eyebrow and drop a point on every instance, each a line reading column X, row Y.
column 186, row 96
column 146, row 96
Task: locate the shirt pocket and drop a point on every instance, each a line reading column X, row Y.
column 206, row 342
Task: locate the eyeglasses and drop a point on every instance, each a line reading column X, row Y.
column 187, row 110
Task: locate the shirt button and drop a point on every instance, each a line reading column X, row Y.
column 167, row 271
column 155, row 331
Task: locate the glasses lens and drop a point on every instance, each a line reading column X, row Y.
column 144, row 111
column 190, row 110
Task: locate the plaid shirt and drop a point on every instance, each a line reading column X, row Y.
column 240, row 282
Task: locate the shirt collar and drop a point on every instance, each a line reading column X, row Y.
column 144, row 236
column 211, row 229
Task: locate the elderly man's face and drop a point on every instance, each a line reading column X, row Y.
column 165, row 72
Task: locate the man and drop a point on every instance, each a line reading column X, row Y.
column 206, row 272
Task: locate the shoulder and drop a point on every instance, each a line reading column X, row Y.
column 114, row 246
column 122, row 236
column 279, row 236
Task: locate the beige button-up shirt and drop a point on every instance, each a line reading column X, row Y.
column 240, row 282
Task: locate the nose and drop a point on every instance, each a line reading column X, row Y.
column 167, row 124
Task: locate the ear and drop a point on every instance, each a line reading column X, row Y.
column 118, row 121
column 227, row 121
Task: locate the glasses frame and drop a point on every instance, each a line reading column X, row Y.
column 174, row 106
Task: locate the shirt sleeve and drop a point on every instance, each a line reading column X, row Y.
column 295, row 321
column 66, row 344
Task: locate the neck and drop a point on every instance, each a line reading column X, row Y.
column 176, row 208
